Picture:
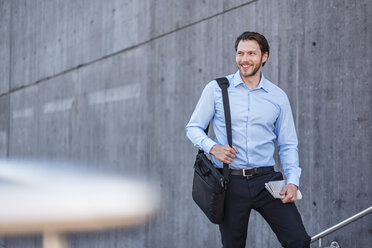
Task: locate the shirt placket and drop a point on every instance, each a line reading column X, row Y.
column 249, row 99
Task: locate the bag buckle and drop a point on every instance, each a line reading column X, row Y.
column 223, row 183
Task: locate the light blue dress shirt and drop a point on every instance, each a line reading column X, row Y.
column 258, row 117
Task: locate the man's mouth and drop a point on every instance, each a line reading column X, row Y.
column 245, row 66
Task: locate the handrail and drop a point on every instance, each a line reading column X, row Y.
column 353, row 218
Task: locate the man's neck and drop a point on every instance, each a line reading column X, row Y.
column 252, row 81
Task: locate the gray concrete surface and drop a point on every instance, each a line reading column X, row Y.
column 111, row 84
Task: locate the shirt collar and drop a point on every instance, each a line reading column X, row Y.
column 238, row 80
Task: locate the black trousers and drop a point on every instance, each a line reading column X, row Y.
column 243, row 195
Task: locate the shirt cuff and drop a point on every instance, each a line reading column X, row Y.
column 208, row 144
column 293, row 179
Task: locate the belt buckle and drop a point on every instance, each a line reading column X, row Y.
column 250, row 174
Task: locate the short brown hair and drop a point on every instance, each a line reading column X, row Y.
column 261, row 40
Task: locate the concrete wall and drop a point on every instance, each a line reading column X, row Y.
column 112, row 84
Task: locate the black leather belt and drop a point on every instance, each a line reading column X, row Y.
column 251, row 172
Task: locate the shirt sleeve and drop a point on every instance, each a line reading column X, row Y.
column 200, row 118
column 287, row 143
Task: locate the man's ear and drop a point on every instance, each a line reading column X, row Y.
column 265, row 56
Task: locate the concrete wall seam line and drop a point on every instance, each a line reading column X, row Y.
column 131, row 47
column 114, row 94
column 10, row 75
column 57, row 106
column 23, row 113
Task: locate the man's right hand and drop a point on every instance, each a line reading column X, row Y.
column 224, row 153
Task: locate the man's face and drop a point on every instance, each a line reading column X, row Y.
column 249, row 58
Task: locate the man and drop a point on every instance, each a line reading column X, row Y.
column 260, row 114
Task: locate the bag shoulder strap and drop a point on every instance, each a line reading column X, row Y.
column 224, row 84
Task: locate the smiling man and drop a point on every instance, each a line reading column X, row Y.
column 260, row 114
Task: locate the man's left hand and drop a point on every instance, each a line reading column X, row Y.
column 290, row 192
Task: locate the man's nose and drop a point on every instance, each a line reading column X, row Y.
column 245, row 57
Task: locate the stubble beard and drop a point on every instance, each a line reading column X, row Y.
column 253, row 73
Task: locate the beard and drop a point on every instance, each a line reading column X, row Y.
column 256, row 68
column 247, row 74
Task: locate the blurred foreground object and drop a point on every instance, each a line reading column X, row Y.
column 54, row 198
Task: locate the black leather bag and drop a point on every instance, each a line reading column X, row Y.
column 209, row 184
column 208, row 190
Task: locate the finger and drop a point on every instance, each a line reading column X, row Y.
column 230, row 150
column 235, row 149
column 226, row 147
column 230, row 155
column 292, row 193
column 287, row 198
column 227, row 160
column 284, row 191
column 292, row 199
column 294, row 196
